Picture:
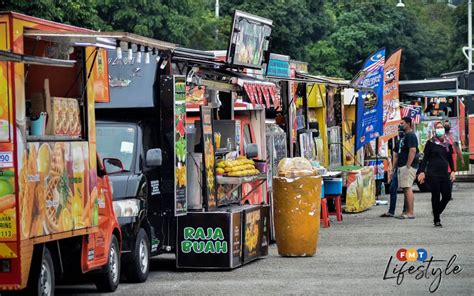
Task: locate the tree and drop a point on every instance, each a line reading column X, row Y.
column 361, row 28
column 74, row 12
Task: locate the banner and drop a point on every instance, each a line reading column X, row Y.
column 369, row 124
column 391, row 102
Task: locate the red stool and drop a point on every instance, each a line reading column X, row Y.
column 337, row 205
column 324, row 212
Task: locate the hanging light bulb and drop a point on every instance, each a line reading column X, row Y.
column 164, row 63
column 147, row 55
column 139, row 54
column 130, row 53
column 119, row 50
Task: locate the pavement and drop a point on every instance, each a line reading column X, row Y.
column 351, row 259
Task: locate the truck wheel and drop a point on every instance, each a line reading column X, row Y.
column 109, row 280
column 138, row 263
column 41, row 281
column 46, row 276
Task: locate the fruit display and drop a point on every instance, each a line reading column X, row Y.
column 240, row 167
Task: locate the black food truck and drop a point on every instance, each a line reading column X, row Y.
column 144, row 125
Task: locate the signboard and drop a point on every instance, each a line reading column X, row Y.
column 209, row 187
column 299, row 66
column 391, row 102
column 369, row 124
column 249, row 40
column 278, row 66
column 209, row 240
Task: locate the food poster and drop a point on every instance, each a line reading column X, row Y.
column 196, row 95
column 208, row 158
column 8, row 227
column 379, row 167
column 181, row 207
column 97, row 65
column 425, row 130
column 360, row 194
column 252, row 233
column 54, row 188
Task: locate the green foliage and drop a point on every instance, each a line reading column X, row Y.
column 333, row 36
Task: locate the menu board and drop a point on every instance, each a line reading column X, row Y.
column 208, row 158
column 249, row 40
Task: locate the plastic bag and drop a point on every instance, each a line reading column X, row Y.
column 295, row 167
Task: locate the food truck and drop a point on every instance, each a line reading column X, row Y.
column 168, row 186
column 56, row 215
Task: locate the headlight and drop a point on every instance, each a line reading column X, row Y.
column 127, row 207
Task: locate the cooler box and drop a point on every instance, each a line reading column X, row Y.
column 332, row 186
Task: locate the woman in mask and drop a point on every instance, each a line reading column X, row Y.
column 437, row 170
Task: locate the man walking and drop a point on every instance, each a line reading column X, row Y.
column 393, row 178
column 407, row 165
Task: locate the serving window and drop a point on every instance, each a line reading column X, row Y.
column 55, row 96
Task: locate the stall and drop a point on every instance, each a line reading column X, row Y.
column 228, row 144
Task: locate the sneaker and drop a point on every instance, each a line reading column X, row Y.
column 438, row 224
column 386, row 215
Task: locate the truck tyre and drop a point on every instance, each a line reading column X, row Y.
column 41, row 279
column 138, row 262
column 109, row 280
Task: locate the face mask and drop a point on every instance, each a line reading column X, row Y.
column 447, row 128
column 401, row 128
column 440, row 132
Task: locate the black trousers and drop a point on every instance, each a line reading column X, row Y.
column 440, row 187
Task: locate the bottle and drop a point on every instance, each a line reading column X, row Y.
column 229, row 145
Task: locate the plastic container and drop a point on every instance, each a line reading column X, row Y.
column 38, row 125
column 333, row 186
column 297, row 205
column 322, row 188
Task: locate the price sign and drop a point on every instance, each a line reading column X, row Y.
column 6, row 160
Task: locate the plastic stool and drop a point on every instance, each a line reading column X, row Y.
column 337, row 205
column 324, row 213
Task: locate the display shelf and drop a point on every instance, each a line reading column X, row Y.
column 240, row 180
column 51, row 138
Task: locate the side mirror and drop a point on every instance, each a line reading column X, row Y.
column 113, row 165
column 153, row 158
column 251, row 150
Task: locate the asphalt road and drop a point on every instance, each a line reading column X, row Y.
column 351, row 259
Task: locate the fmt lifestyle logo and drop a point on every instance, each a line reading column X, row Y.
column 415, row 262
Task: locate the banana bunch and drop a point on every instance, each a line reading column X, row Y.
column 241, row 167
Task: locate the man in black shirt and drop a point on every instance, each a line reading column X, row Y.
column 407, row 165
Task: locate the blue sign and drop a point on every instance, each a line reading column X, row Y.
column 279, row 66
column 369, row 118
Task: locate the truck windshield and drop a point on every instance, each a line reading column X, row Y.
column 117, row 141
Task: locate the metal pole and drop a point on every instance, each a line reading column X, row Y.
column 469, row 34
column 217, row 16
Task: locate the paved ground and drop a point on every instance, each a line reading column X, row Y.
column 351, row 259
